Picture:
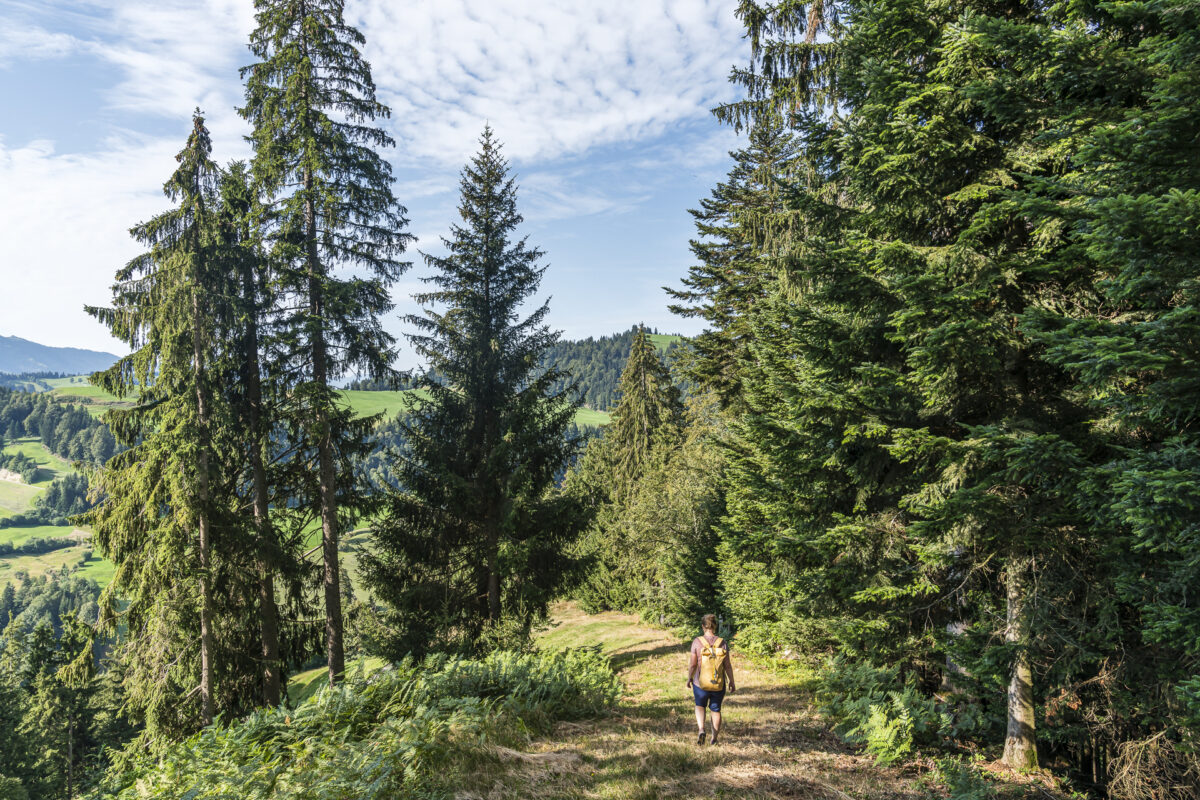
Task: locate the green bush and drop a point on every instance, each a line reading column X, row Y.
column 11, row 789
column 963, row 780
column 410, row 730
column 874, row 708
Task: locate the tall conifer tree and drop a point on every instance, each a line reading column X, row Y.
column 900, row 422
column 328, row 206
column 472, row 546
column 167, row 307
column 649, row 408
column 246, row 269
column 645, row 430
column 736, row 223
column 1125, row 87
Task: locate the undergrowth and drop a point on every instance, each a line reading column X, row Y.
column 409, row 731
column 874, row 708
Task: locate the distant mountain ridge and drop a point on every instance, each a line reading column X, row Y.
column 19, row 356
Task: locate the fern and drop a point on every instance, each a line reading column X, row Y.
column 410, row 730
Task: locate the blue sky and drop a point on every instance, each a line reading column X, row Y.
column 603, row 109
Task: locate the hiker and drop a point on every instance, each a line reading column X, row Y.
column 710, row 673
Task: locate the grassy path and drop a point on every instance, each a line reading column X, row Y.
column 773, row 745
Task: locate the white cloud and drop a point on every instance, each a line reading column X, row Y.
column 178, row 55
column 64, row 222
column 29, row 42
column 557, row 79
column 553, row 78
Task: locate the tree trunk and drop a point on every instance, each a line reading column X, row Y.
column 71, row 751
column 203, row 522
column 493, row 576
column 1020, row 744
column 326, row 469
column 335, row 653
column 268, row 610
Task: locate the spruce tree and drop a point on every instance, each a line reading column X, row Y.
column 328, row 205
column 254, row 408
column 645, row 431
column 902, row 431
column 649, row 408
column 18, row 750
column 167, row 304
column 1125, row 85
column 735, row 224
column 57, row 717
column 470, row 552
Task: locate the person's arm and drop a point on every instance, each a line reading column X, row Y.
column 729, row 672
column 691, row 664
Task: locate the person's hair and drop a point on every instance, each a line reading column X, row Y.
column 709, row 622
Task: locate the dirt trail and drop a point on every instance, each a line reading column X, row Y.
column 773, row 744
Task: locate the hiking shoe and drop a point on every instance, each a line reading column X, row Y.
column 700, row 740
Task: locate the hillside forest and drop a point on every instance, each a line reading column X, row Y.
column 937, row 447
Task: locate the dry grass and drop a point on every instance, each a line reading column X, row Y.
column 772, row 743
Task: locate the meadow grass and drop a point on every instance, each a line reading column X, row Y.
column 67, row 382
column 50, row 465
column 19, row 536
column 97, row 569
column 95, row 400
column 304, row 685
column 42, row 564
column 366, row 404
column 83, row 390
column 16, row 498
column 663, row 340
column 591, row 417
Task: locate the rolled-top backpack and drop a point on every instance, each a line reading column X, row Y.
column 712, row 665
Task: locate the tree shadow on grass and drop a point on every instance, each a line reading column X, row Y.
column 629, row 657
column 797, row 732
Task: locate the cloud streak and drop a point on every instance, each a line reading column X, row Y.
column 554, row 78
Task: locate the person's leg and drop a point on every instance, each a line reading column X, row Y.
column 701, row 698
column 700, row 719
column 714, row 706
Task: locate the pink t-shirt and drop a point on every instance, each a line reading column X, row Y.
column 698, row 647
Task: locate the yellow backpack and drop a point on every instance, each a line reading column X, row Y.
column 712, row 665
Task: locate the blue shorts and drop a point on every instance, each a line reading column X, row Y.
column 710, row 699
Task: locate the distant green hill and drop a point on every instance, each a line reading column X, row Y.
column 19, row 356
column 596, row 363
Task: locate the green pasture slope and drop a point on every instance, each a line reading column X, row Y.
column 369, row 403
column 366, row 403
column 17, row 498
column 45, row 563
column 94, row 399
column 50, row 466
column 664, row 340
column 19, row 536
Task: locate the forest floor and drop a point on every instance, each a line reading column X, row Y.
column 773, row 742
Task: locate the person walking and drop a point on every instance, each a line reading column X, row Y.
column 710, row 675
